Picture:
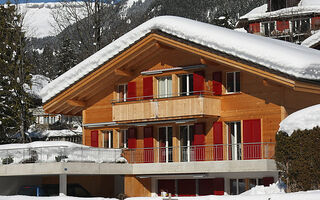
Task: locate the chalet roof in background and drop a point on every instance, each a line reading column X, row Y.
column 312, row 40
column 295, row 60
column 304, row 7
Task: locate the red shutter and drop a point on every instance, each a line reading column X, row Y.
column 187, row 187
column 218, row 184
column 132, row 91
column 282, row 25
column 132, row 138
column 198, row 82
column 94, row 138
column 254, row 28
column 252, row 135
column 148, row 143
column 267, row 181
column 199, row 139
column 148, row 88
column 217, row 83
column 315, row 22
column 168, row 186
column 218, row 141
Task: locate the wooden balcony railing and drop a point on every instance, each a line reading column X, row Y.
column 244, row 151
column 200, row 103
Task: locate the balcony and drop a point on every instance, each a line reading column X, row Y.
column 148, row 108
column 223, row 152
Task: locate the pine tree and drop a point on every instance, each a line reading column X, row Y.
column 66, row 58
column 15, row 116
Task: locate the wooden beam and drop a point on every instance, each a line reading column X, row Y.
column 120, row 72
column 77, row 103
column 163, row 46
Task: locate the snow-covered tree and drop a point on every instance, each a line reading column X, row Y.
column 66, row 57
column 14, row 75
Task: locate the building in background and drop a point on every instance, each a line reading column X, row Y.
column 289, row 20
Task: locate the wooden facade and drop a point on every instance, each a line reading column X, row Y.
column 140, row 94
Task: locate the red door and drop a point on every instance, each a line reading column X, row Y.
column 198, row 82
column 187, row 187
column 167, row 186
column 132, row 91
column 148, row 145
column 148, row 88
column 199, row 139
column 217, row 83
column 252, row 139
column 217, row 141
column 94, row 139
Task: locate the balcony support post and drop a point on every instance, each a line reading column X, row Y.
column 62, row 184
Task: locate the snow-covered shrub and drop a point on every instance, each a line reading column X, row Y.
column 298, row 159
column 7, row 160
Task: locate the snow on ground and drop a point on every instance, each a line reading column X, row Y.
column 312, row 40
column 39, row 19
column 291, row 59
column 304, row 7
column 307, row 118
column 37, row 83
column 50, row 151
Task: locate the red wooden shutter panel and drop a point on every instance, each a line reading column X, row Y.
column 218, row 140
column 94, row 138
column 148, row 143
column 252, row 135
column 217, row 83
column 199, row 139
column 132, row 138
column 267, row 181
column 198, row 82
column 282, row 25
column 132, row 91
column 218, row 186
column 187, row 187
column 254, row 28
column 147, row 88
column 315, row 23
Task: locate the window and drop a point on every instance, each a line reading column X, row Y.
column 234, row 140
column 164, row 86
column 238, row 186
column 268, row 28
column 233, row 82
column 165, row 144
column 186, row 140
column 186, row 84
column 123, row 139
column 108, row 139
column 300, row 26
column 122, row 92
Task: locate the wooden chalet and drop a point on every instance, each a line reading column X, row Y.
column 289, row 20
column 191, row 119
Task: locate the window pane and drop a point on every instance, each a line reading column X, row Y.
column 242, row 186
column 305, row 25
column 183, row 85
column 162, row 88
column 252, row 183
column 230, row 82
column 233, row 186
column 191, row 83
column 237, row 82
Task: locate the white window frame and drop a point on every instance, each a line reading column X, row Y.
column 125, row 86
column 167, row 141
column 109, row 145
column 188, row 141
column 166, row 94
column 235, row 128
column 125, row 135
column 234, row 82
column 188, row 93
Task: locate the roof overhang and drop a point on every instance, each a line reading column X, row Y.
column 79, row 96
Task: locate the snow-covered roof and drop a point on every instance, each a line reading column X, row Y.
column 41, row 144
column 304, row 7
column 37, row 83
column 285, row 57
column 312, row 40
column 307, row 118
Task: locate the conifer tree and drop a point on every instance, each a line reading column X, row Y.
column 15, row 116
column 66, row 58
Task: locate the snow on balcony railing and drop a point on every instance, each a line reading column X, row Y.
column 45, row 152
column 243, row 151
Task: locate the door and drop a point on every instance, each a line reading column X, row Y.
column 234, row 141
column 148, row 145
column 186, row 140
column 165, row 144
